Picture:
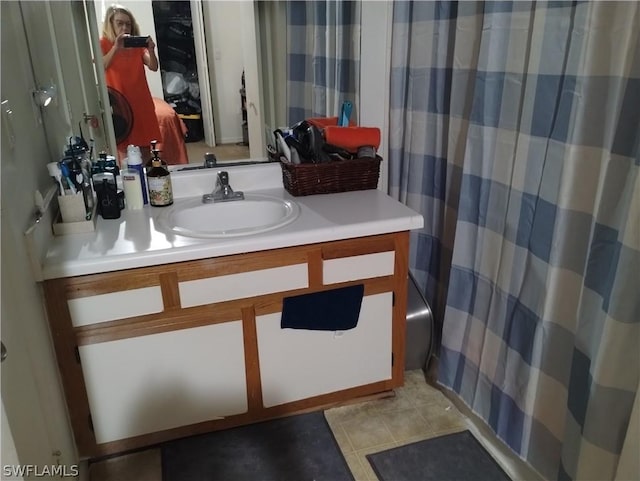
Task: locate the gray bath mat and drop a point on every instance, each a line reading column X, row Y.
column 295, row 448
column 456, row 456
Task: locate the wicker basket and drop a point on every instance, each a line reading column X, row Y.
column 331, row 177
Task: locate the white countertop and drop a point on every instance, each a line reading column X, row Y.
column 136, row 240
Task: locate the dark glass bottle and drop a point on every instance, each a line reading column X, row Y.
column 159, row 183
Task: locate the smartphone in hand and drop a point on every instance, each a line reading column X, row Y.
column 133, row 41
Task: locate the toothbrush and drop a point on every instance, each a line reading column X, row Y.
column 54, row 171
column 66, row 174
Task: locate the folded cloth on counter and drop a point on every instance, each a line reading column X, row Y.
column 333, row 310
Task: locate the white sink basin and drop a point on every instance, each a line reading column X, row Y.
column 253, row 215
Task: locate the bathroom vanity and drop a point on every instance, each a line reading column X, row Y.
column 160, row 336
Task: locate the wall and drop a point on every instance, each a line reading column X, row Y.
column 31, row 390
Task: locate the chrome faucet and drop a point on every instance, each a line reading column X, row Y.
column 223, row 191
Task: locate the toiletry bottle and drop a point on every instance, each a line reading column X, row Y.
column 109, row 205
column 99, row 166
column 149, row 163
column 132, row 187
column 159, row 181
column 134, row 161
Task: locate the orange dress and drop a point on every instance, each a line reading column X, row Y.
column 126, row 75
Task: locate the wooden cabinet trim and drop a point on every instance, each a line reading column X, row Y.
column 314, row 267
column 170, row 292
column 357, row 247
column 124, row 280
column 251, row 359
column 400, row 280
column 70, row 369
column 166, row 321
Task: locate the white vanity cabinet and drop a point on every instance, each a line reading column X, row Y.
column 161, row 352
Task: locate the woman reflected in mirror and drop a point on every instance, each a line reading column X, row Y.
column 124, row 71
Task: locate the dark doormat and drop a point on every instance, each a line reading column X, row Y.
column 456, row 456
column 295, row 448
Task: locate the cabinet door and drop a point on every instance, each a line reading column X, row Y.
column 161, row 381
column 297, row 364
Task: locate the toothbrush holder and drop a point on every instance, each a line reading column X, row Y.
column 72, row 208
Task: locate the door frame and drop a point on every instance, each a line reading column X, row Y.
column 255, row 109
column 200, row 45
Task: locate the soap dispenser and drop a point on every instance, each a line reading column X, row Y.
column 149, row 163
column 159, row 182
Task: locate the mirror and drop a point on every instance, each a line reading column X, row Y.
column 227, row 43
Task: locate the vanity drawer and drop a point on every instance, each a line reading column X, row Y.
column 352, row 268
column 115, row 305
column 243, row 285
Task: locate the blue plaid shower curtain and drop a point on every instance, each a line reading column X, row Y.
column 323, row 58
column 515, row 131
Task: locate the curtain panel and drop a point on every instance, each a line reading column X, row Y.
column 323, row 58
column 515, row 131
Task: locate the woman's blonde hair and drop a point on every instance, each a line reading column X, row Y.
column 107, row 26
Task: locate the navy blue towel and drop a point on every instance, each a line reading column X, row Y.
column 334, row 310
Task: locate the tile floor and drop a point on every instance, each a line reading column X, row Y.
column 418, row 411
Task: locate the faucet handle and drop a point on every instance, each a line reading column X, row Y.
column 223, row 178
